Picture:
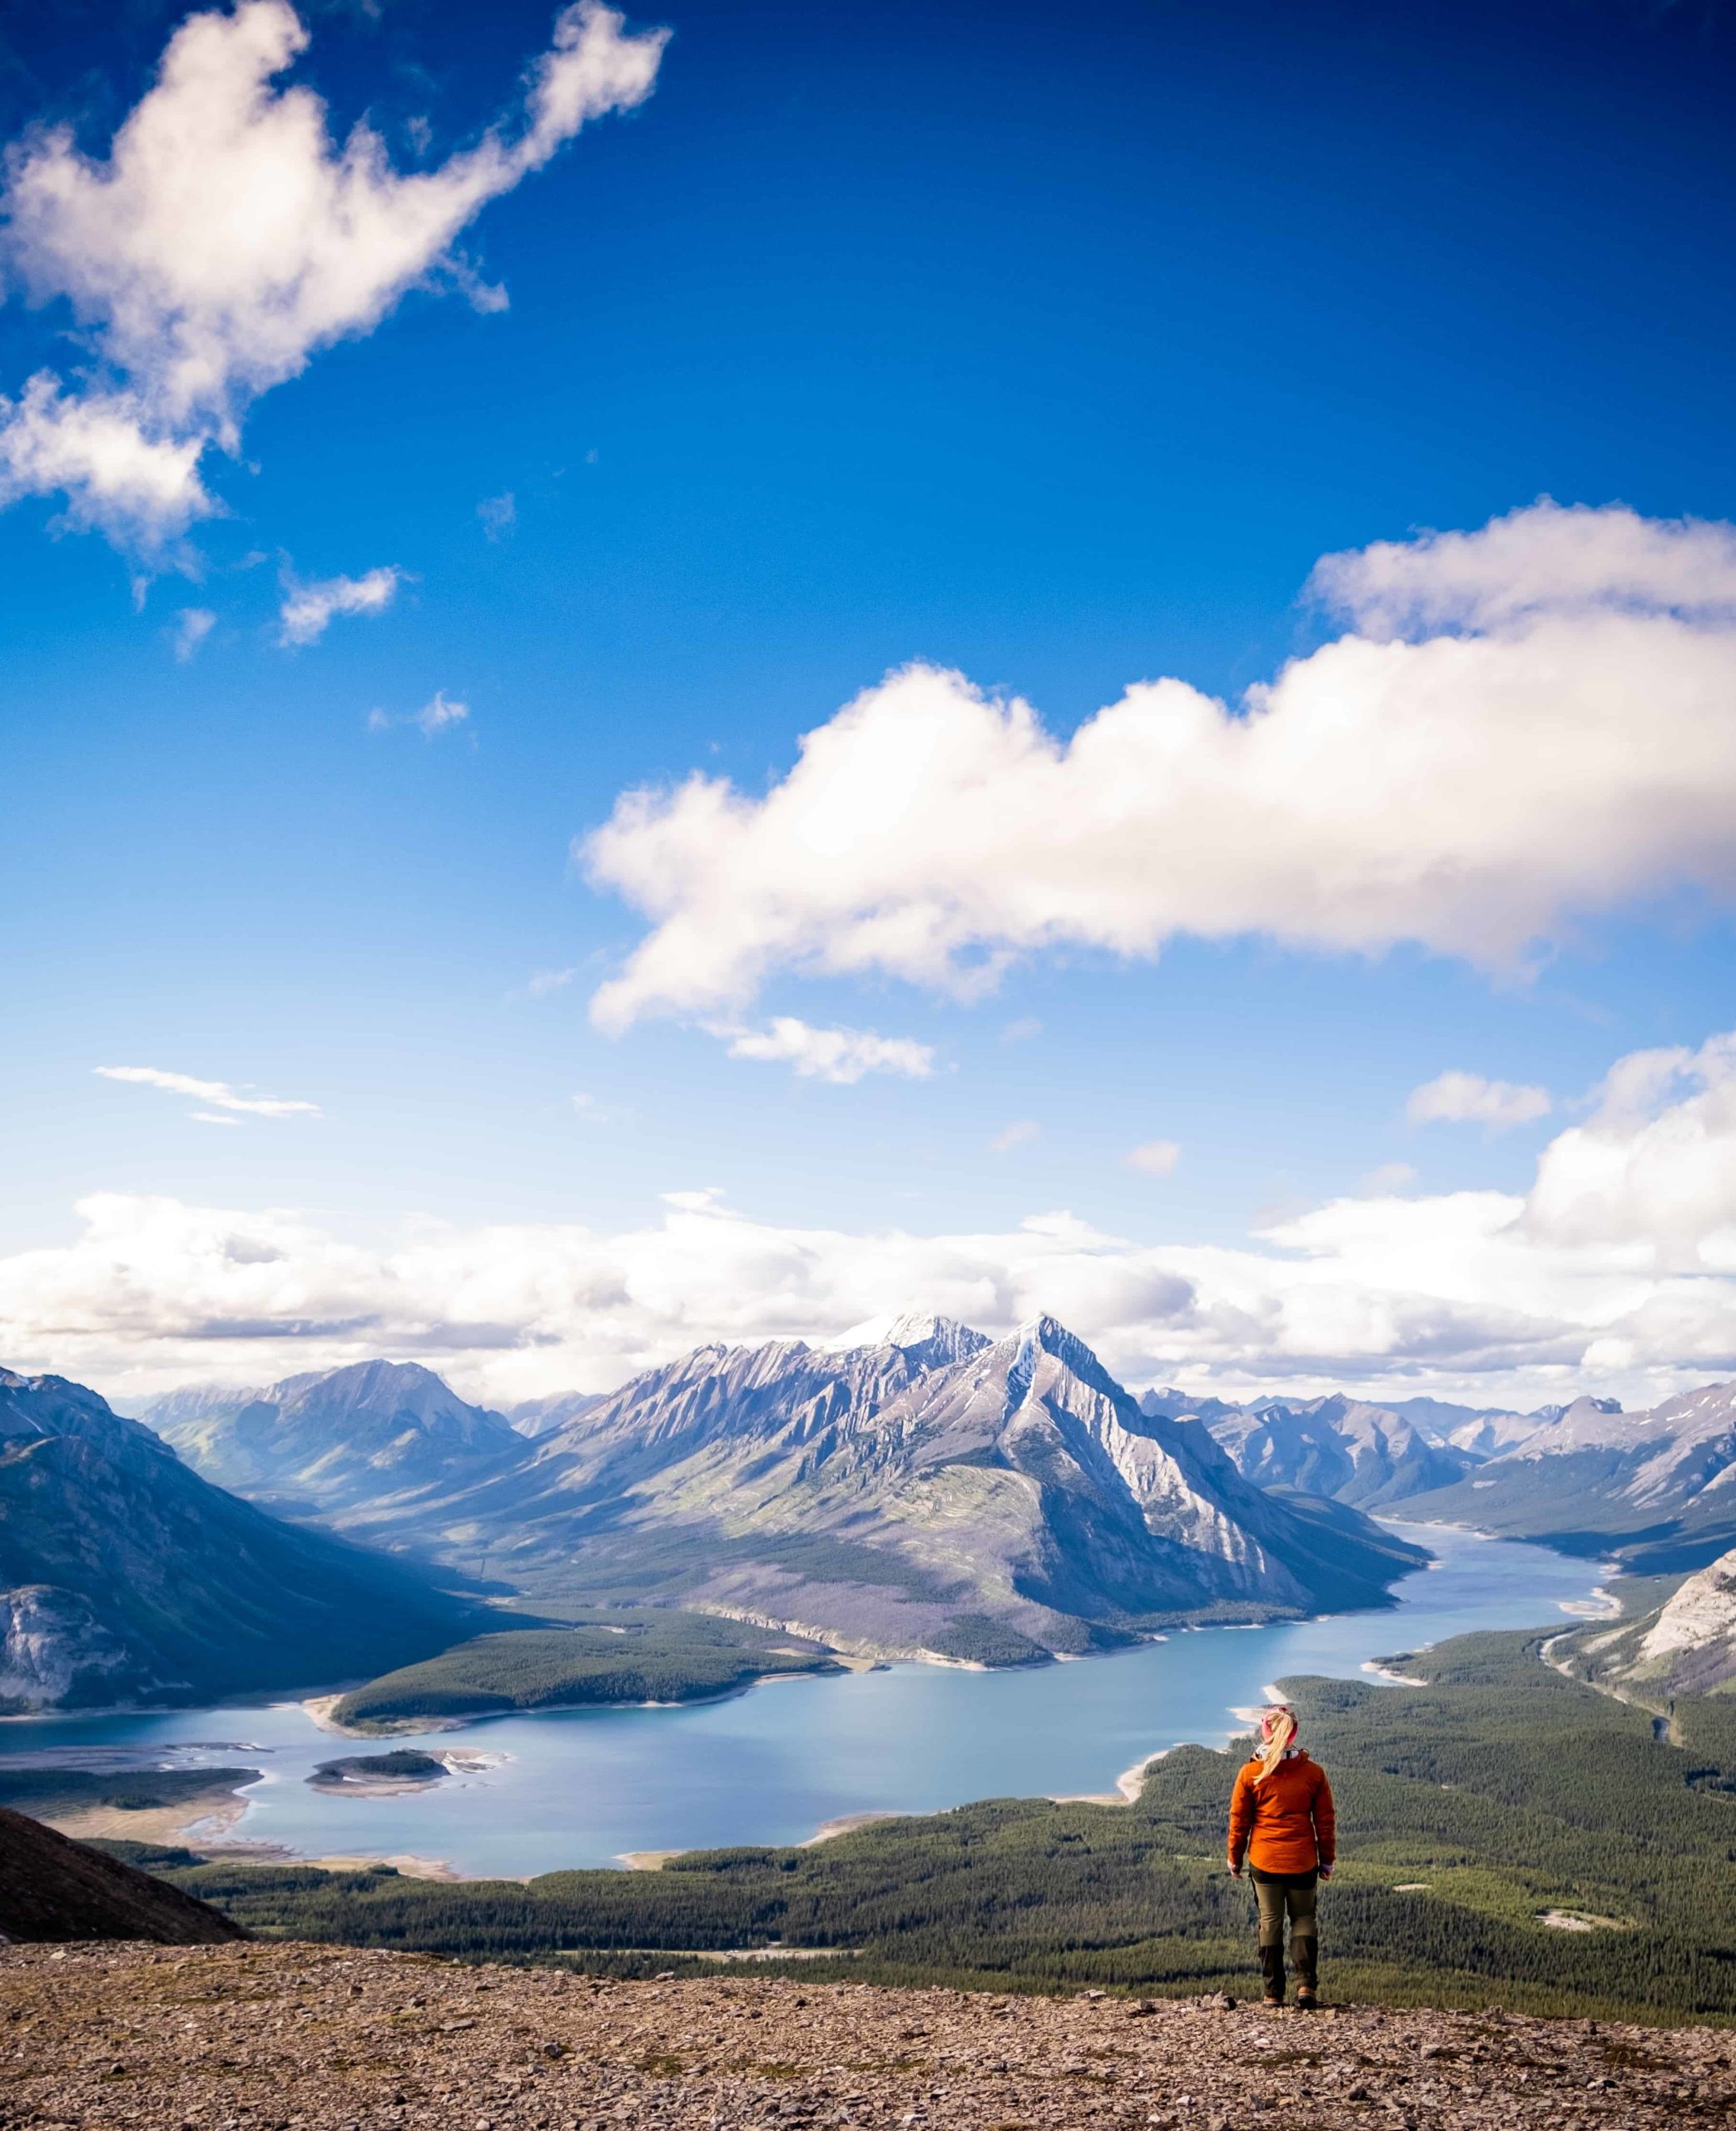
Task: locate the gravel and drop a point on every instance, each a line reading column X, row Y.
column 273, row 2037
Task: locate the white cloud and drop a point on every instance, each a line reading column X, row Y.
column 308, row 609
column 1155, row 1158
column 217, row 1093
column 542, row 981
column 1652, row 1172
column 841, row 1056
column 1021, row 1030
column 1562, row 747
column 498, row 514
column 193, row 625
column 1615, row 1272
column 227, row 238
column 1018, row 1134
column 1455, row 1098
column 435, row 716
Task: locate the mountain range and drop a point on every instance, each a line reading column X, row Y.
column 1364, row 1455
column 125, row 1577
column 914, row 1488
column 1656, row 1488
column 925, row 1491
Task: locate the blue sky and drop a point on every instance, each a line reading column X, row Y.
column 1056, row 353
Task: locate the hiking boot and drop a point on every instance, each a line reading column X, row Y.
column 1307, row 2000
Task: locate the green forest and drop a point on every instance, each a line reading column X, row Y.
column 643, row 1655
column 1468, row 1809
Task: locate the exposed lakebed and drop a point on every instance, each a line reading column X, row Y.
column 574, row 1787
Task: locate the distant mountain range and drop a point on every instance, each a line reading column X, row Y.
column 1367, row 1456
column 916, row 1488
column 125, row 1577
column 1658, row 1489
column 333, row 1442
column 928, row 1491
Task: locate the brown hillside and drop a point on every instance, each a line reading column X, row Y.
column 52, row 1888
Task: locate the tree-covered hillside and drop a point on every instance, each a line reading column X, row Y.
column 645, row 1654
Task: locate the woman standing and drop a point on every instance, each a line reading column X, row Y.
column 1282, row 1821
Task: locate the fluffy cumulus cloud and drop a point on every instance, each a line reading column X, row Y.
column 1520, row 727
column 1456, row 1098
column 308, row 610
column 1615, row 1272
column 227, row 237
column 841, row 1056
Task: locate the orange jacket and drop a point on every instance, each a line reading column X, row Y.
column 1287, row 1824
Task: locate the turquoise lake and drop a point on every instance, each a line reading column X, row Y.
column 576, row 1787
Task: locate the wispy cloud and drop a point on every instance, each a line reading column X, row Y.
column 1454, row 1097
column 227, row 238
column 841, row 1056
column 1021, row 1030
column 1018, row 1134
column 435, row 715
column 544, row 981
column 499, row 514
column 218, row 1094
column 308, row 610
column 1391, row 1177
column 193, row 625
column 1155, row 1158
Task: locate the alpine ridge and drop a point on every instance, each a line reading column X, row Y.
column 913, row 1489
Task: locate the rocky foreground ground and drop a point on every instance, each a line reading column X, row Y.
column 258, row 2037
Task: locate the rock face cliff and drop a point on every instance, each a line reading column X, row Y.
column 926, row 1490
column 125, row 1577
column 51, row 1888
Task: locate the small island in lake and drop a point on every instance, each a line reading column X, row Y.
column 380, row 1774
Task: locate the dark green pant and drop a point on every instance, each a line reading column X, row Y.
column 1280, row 1895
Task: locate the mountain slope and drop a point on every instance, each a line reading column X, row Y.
column 1657, row 1488
column 333, row 1442
column 1686, row 1646
column 928, row 1492
column 52, row 1888
column 125, row 1577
